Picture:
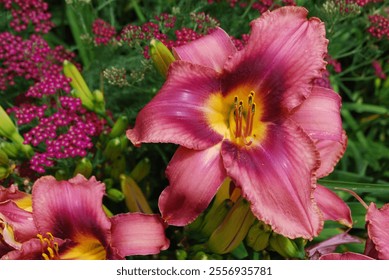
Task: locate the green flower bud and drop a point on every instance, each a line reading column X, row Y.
column 233, row 229
column 118, row 167
column 120, row 127
column 113, row 149
column 5, row 171
column 141, row 170
column 258, row 236
column 181, row 254
column 4, row 160
column 134, row 197
column 286, row 247
column 84, row 167
column 11, row 149
column 78, row 83
column 115, row 195
column 7, row 127
column 61, row 174
column 215, row 217
column 99, row 101
column 161, row 56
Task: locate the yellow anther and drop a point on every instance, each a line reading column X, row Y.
column 45, row 256
column 51, row 252
column 40, row 237
column 56, row 246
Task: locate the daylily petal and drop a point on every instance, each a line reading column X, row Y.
column 283, row 55
column 20, row 220
column 70, row 209
column 332, row 206
column 370, row 249
column 195, row 177
column 138, row 234
column 30, row 250
column 377, row 221
column 212, row 50
column 177, row 114
column 277, row 177
column 345, row 256
column 330, row 153
column 319, row 116
column 22, row 199
column 328, row 246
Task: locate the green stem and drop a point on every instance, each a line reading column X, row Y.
column 77, row 36
column 138, row 10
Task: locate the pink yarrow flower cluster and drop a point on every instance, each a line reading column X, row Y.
column 103, row 32
column 254, row 116
column 156, row 29
column 67, row 133
column 32, row 59
column 379, row 26
column 26, row 12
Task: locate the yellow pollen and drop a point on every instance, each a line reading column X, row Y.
column 50, row 248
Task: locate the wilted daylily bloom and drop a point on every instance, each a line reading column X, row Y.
column 253, row 116
column 68, row 222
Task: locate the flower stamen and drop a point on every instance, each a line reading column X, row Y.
column 244, row 126
column 50, row 248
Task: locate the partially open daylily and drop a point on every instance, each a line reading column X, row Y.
column 254, row 116
column 68, row 222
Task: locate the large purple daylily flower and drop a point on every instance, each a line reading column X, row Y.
column 65, row 220
column 254, row 116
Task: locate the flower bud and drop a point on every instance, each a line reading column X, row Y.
column 215, row 217
column 5, row 171
column 113, row 149
column 141, row 170
column 115, row 195
column 161, row 56
column 134, row 197
column 84, row 167
column 81, row 90
column 233, row 229
column 258, row 236
column 4, row 160
column 99, row 101
column 7, row 127
column 11, row 149
column 118, row 167
column 120, row 127
column 286, row 247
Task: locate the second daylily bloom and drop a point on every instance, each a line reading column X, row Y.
column 68, row 222
column 254, row 116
